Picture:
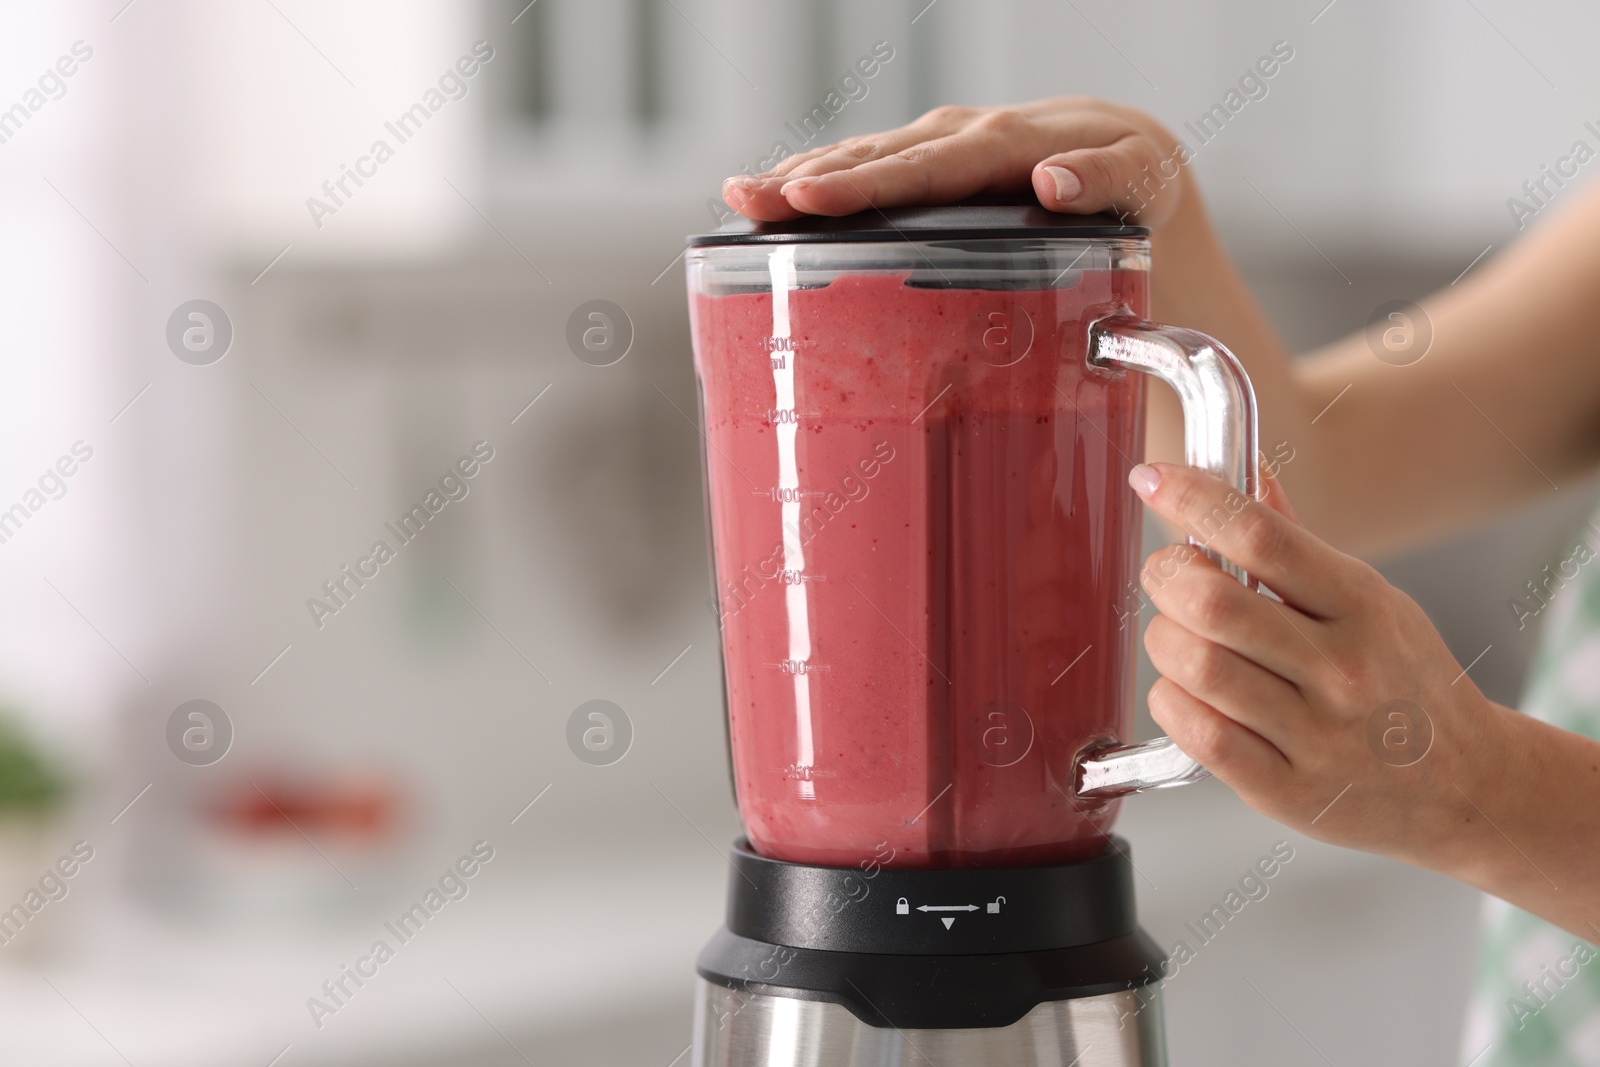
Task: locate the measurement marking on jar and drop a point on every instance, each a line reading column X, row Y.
column 793, row 577
column 778, row 349
column 797, row 666
column 783, row 416
column 786, row 494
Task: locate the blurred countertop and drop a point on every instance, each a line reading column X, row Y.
column 539, row 947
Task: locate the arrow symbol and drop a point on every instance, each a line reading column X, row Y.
column 948, row 907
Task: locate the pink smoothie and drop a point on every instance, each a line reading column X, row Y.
column 924, row 543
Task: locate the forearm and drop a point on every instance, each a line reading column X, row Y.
column 1520, row 820
column 1498, row 405
column 1197, row 286
column 1501, row 403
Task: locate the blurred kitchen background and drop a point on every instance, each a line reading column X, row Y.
column 373, row 347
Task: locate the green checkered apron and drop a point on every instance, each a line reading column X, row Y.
column 1537, row 997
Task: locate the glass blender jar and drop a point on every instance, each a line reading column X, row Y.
column 924, row 544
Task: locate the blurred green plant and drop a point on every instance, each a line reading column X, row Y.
column 28, row 782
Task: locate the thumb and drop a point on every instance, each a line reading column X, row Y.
column 1126, row 177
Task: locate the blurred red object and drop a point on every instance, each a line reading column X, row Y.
column 365, row 808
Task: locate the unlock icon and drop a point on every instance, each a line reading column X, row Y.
column 902, row 907
column 994, row 905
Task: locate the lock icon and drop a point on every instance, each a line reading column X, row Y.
column 902, row 907
column 994, row 905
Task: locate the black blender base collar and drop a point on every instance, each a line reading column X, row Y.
column 944, row 911
column 951, row 948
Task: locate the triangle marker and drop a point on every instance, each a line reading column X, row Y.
column 948, row 922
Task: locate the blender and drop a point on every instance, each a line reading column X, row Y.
column 917, row 429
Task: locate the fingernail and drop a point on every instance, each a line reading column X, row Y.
column 1144, row 479
column 796, row 186
column 1067, row 184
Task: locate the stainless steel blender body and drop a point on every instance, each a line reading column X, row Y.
column 733, row 1028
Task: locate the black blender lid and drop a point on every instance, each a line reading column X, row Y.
column 979, row 218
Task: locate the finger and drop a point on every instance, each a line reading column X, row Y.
column 1306, row 572
column 1243, row 759
column 938, row 171
column 1189, row 589
column 939, row 122
column 1124, row 177
column 750, row 198
column 758, row 197
column 1245, row 692
column 854, row 151
column 994, row 153
column 787, row 166
column 1273, row 496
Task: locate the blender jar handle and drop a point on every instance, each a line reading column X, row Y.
column 1219, row 437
